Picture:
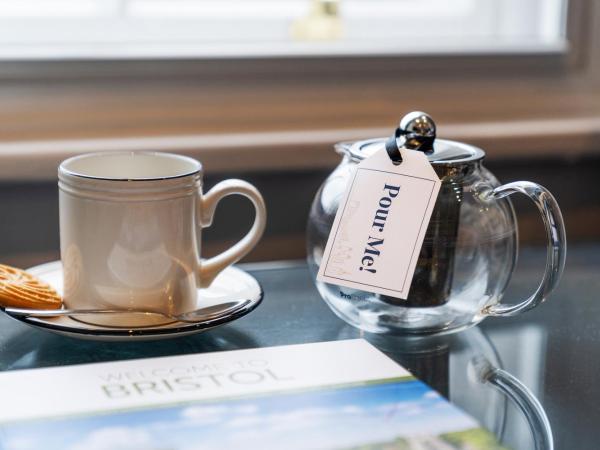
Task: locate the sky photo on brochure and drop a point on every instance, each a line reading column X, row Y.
column 403, row 415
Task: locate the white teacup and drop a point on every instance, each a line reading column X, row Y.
column 129, row 237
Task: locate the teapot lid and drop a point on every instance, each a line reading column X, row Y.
column 416, row 131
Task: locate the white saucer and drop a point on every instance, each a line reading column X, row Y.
column 231, row 285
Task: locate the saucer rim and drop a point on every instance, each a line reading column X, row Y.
column 142, row 331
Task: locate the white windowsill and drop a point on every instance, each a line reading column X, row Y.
column 303, row 150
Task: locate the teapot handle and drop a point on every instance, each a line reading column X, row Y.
column 556, row 244
column 520, row 395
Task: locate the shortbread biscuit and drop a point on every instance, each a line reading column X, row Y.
column 19, row 289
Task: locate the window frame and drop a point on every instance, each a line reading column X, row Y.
column 128, row 36
column 558, row 60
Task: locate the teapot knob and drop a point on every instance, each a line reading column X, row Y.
column 416, row 131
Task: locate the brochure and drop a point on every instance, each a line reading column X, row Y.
column 330, row 395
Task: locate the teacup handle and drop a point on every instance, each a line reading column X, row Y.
column 210, row 268
column 556, row 244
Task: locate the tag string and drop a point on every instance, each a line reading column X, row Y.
column 411, row 141
column 391, row 146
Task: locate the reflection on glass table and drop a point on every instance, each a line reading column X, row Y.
column 551, row 350
column 467, row 369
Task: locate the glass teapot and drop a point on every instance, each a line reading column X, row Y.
column 470, row 247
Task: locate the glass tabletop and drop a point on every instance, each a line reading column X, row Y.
column 509, row 373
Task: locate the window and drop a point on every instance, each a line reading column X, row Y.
column 162, row 29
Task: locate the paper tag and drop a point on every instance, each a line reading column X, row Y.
column 379, row 228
